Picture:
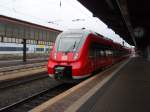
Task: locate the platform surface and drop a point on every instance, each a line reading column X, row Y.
column 127, row 91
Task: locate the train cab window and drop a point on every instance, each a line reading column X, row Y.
column 69, row 43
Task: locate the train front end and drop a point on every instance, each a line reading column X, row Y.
column 65, row 62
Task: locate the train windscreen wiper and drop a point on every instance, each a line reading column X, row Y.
column 71, row 47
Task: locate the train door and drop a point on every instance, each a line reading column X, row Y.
column 95, row 60
column 102, row 57
column 99, row 57
column 92, row 55
column 109, row 54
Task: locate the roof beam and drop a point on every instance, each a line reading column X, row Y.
column 122, row 5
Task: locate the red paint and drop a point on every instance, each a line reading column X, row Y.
column 84, row 64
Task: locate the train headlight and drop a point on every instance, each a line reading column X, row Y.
column 55, row 55
column 75, row 56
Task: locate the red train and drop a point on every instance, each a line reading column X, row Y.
column 78, row 53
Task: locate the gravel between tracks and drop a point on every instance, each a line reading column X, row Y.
column 16, row 93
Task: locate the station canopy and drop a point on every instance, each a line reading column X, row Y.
column 128, row 18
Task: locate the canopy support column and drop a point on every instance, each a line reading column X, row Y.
column 24, row 50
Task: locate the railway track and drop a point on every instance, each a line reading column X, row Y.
column 34, row 100
column 8, row 63
column 18, row 68
column 24, row 80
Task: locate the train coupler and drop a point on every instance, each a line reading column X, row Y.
column 62, row 72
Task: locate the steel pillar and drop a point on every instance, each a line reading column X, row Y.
column 148, row 52
column 24, row 50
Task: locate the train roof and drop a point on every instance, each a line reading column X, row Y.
column 87, row 32
column 83, row 31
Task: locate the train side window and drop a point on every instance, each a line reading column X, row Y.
column 106, row 52
column 99, row 50
column 102, row 53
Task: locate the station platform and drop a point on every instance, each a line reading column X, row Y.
column 122, row 88
column 128, row 91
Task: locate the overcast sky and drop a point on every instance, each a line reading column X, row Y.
column 61, row 14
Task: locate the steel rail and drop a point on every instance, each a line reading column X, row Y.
column 36, row 99
column 12, row 68
column 21, row 81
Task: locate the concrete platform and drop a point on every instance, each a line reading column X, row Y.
column 128, row 91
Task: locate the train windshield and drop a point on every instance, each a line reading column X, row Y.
column 69, row 43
